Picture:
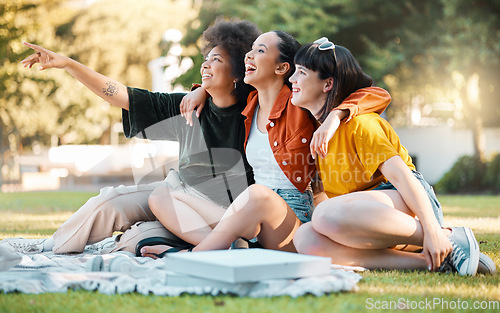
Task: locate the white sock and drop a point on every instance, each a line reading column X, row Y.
column 48, row 244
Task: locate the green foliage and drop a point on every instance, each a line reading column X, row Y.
column 372, row 30
column 492, row 177
column 464, row 176
column 470, row 175
column 410, row 47
column 117, row 38
column 192, row 76
column 413, row 48
column 19, row 103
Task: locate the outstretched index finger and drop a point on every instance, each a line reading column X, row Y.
column 35, row 47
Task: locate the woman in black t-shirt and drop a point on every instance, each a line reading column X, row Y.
column 211, row 155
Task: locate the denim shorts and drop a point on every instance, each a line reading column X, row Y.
column 301, row 203
column 436, row 206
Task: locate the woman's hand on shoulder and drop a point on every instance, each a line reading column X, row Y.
column 46, row 58
column 322, row 135
column 195, row 100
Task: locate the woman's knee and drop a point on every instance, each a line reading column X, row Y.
column 158, row 197
column 305, row 240
column 301, row 238
column 258, row 197
column 259, row 192
column 108, row 201
column 332, row 217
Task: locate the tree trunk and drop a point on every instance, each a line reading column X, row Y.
column 478, row 138
column 473, row 102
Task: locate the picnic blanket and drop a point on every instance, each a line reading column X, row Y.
column 122, row 272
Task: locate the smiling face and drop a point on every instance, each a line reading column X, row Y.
column 216, row 72
column 262, row 62
column 308, row 90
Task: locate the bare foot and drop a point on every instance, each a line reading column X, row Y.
column 153, row 251
column 156, row 251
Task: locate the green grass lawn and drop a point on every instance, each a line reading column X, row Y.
column 37, row 215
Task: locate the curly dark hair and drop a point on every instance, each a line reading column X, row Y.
column 236, row 38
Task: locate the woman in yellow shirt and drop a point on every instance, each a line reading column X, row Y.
column 374, row 201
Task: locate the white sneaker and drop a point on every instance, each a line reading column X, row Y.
column 23, row 245
column 465, row 254
column 95, row 264
column 486, row 265
column 104, row 246
column 121, row 264
column 8, row 258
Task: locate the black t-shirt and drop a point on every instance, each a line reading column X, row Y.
column 211, row 152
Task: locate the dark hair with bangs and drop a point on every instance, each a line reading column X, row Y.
column 236, row 38
column 287, row 46
column 341, row 66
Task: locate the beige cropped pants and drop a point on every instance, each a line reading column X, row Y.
column 113, row 209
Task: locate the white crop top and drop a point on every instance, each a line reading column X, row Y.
column 260, row 156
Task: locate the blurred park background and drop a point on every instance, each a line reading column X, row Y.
column 439, row 59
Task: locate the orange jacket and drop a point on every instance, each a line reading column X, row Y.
column 290, row 128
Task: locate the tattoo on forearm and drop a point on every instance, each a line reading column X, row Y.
column 111, row 89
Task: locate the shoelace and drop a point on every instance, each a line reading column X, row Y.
column 452, row 260
column 447, row 266
column 457, row 254
column 101, row 246
column 26, row 247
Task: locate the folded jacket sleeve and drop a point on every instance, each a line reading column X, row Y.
column 365, row 100
column 148, row 109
